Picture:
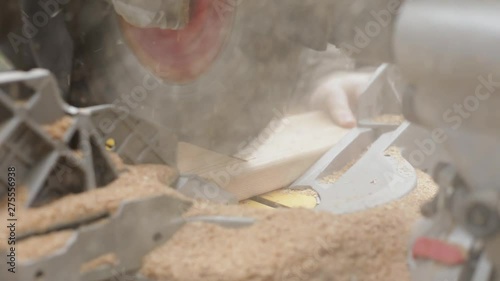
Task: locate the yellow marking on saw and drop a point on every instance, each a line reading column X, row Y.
column 110, row 144
column 254, row 204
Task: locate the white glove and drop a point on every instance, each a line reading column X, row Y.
column 338, row 95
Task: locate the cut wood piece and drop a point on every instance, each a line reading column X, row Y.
column 282, row 153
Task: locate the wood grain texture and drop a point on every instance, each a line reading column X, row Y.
column 282, row 153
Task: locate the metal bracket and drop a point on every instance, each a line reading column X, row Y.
column 76, row 160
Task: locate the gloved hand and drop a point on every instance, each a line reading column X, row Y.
column 338, row 95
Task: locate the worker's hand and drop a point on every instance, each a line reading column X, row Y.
column 338, row 95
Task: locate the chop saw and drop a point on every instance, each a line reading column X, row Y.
column 444, row 50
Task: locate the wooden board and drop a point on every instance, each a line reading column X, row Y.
column 283, row 152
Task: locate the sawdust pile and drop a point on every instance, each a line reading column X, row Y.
column 39, row 246
column 294, row 244
column 138, row 182
column 105, row 260
column 284, row 244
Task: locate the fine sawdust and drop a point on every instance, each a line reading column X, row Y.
column 284, row 244
column 138, row 182
column 57, row 129
column 38, row 247
column 117, row 161
column 303, row 191
column 294, row 244
column 339, row 173
column 392, row 151
column 106, row 260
